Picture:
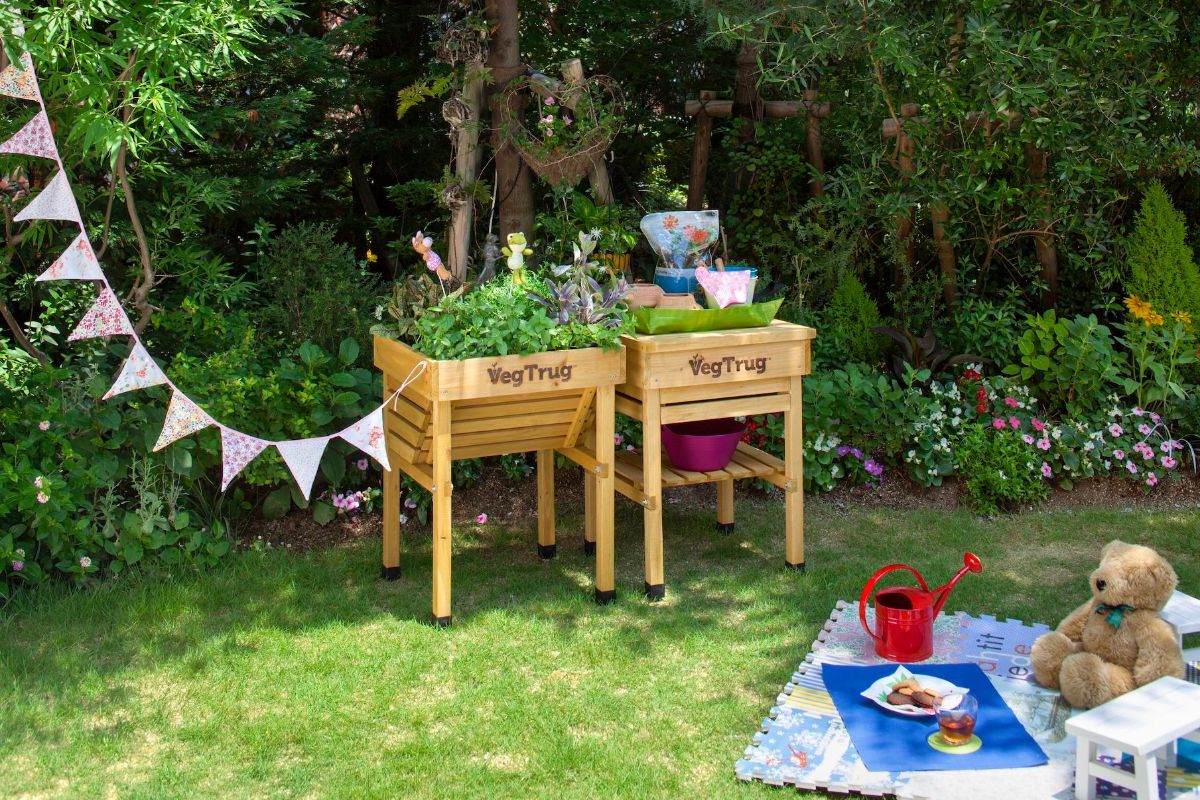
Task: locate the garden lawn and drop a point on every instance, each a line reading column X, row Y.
column 287, row 675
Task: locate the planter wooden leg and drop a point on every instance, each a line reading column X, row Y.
column 545, row 481
column 391, row 521
column 603, row 495
column 652, row 482
column 589, row 500
column 725, row 506
column 793, row 443
column 442, row 492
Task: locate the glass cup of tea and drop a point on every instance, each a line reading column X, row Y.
column 956, row 716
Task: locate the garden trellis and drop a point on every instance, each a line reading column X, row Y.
column 106, row 317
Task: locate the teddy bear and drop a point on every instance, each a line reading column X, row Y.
column 1116, row 641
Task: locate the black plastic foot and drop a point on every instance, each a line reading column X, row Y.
column 606, row 598
column 442, row 622
column 390, row 573
column 655, row 591
column 725, row 527
column 794, row 567
column 589, row 548
column 547, row 551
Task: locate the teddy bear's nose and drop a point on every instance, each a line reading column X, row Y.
column 1100, row 585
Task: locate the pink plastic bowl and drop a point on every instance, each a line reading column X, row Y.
column 702, row 446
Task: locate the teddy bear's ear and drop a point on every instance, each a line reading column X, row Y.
column 1113, row 548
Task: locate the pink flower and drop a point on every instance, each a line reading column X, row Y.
column 617, row 439
column 1168, row 462
column 1028, row 439
column 1144, row 429
column 18, row 565
column 1043, row 443
column 1014, row 423
column 998, row 424
column 549, row 101
column 1155, row 418
column 631, row 448
column 1046, row 471
column 39, row 482
column 1139, row 411
column 409, row 503
column 44, row 425
column 1119, row 455
column 42, row 497
column 1115, row 429
column 1132, row 467
column 547, row 120
column 362, row 464
column 1151, row 479
column 481, row 519
column 1011, row 402
column 1037, row 424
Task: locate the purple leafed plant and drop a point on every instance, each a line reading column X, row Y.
column 578, row 296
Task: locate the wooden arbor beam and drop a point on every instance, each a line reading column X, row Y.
column 707, row 107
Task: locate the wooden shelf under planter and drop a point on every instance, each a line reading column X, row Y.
column 682, row 377
column 561, row 401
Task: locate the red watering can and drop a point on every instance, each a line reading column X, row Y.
column 904, row 614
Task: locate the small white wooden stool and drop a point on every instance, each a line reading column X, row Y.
column 1145, row 723
column 1182, row 613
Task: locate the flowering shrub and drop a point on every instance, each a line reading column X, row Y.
column 994, row 466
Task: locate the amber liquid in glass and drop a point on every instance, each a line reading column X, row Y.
column 957, row 731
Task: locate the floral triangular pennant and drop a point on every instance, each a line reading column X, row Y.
column 183, row 419
column 53, row 202
column 77, row 263
column 237, row 450
column 17, row 81
column 34, row 139
column 105, row 318
column 367, row 435
column 139, row 372
column 303, row 458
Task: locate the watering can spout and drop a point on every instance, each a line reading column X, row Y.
column 971, row 563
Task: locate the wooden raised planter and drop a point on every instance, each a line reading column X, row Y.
column 558, row 401
column 682, row 377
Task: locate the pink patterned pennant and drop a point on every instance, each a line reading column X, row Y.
column 34, row 139
column 183, row 419
column 18, row 81
column 77, row 263
column 105, row 318
column 303, row 458
column 53, row 202
column 367, row 435
column 237, row 450
column 139, row 372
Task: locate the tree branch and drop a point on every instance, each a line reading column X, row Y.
column 14, row 327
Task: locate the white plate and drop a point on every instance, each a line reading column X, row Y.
column 878, row 691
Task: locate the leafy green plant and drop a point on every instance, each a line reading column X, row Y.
column 990, row 328
column 578, row 297
column 411, row 298
column 575, row 211
column 922, row 353
column 1160, row 349
column 1070, row 364
column 850, row 321
column 1161, row 269
column 997, row 471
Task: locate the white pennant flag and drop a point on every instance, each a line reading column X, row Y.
column 183, row 419
column 139, row 372
column 105, row 318
column 77, row 263
column 303, row 458
column 34, row 139
column 368, row 435
column 237, row 450
column 53, row 202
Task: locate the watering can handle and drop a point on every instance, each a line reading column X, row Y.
column 866, row 592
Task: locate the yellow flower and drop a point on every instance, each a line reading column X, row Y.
column 371, row 257
column 1141, row 310
column 1182, row 317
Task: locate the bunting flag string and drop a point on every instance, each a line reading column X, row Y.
column 106, row 317
column 303, row 459
column 55, row 201
column 139, row 372
column 34, row 139
column 77, row 263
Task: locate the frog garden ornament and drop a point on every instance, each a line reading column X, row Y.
column 515, row 253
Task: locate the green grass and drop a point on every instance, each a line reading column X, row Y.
column 283, row 675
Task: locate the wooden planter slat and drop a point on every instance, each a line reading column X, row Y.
column 495, row 406
column 684, row 377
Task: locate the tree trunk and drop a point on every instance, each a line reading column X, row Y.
column 747, row 102
column 700, row 150
column 466, row 167
column 1037, row 160
column 513, row 189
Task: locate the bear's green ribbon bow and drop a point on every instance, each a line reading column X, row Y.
column 1116, row 614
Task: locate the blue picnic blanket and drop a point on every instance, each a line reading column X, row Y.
column 888, row 742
